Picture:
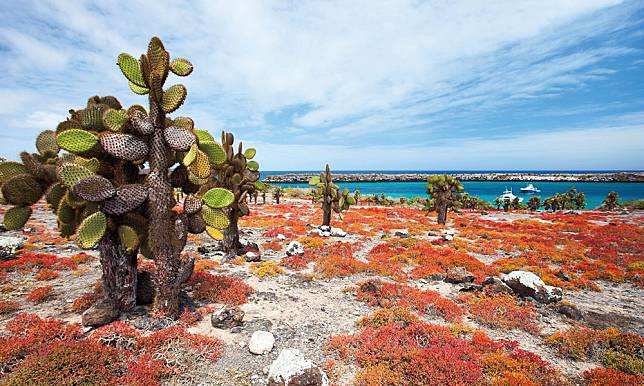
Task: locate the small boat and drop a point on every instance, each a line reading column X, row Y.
column 508, row 196
column 530, row 189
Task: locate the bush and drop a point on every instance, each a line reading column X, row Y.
column 40, row 294
column 219, row 288
column 46, row 274
column 8, row 306
column 601, row 376
column 266, row 268
column 502, row 311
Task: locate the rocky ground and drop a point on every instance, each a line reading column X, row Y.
column 303, row 308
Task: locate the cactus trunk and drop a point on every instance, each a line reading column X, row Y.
column 326, row 208
column 119, row 272
column 232, row 246
column 441, row 209
column 162, row 222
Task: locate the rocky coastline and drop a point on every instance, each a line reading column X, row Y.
column 416, row 177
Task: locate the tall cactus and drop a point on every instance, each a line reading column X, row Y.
column 444, row 190
column 238, row 173
column 179, row 156
column 333, row 200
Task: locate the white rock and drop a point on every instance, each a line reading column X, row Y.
column 8, row 247
column 526, row 284
column 261, row 342
column 448, row 237
column 294, row 248
column 325, row 228
column 281, row 237
column 325, row 234
column 337, row 232
column 292, row 368
column 314, row 232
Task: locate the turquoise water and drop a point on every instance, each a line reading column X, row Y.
column 489, row 190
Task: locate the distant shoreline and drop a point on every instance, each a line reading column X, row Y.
column 473, row 176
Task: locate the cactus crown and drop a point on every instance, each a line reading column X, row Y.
column 330, row 194
column 238, row 173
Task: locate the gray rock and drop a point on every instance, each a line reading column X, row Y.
column 227, row 318
column 291, row 368
column 315, row 231
column 294, row 248
column 527, row 284
column 494, row 285
column 8, row 247
column 261, row 342
column 252, row 257
column 458, row 275
column 325, row 228
column 570, row 311
column 402, row 234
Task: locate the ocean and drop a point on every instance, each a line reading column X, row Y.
column 489, row 190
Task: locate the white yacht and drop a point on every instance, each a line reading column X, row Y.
column 530, row 189
column 508, row 196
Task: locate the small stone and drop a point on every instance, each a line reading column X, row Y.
column 252, row 257
column 294, row 248
column 281, row 237
column 448, row 237
column 314, row 232
column 227, row 317
column 570, row 311
column 402, row 234
column 458, row 275
column 291, row 368
column 99, row 315
column 337, row 232
column 261, row 342
column 325, row 228
column 8, row 247
column 325, row 234
column 494, row 285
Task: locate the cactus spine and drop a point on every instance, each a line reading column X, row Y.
column 333, row 200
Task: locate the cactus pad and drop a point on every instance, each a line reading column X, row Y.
column 94, row 189
column 173, row 98
column 22, row 189
column 111, row 102
column 186, row 122
column 131, row 68
column 203, row 135
column 181, row 67
column 129, row 238
column 115, row 119
column 214, row 151
column 16, row 217
column 46, row 143
column 127, row 199
column 71, row 173
column 215, row 218
column 218, row 198
column 140, row 122
column 196, row 224
column 92, row 117
column 55, row 194
column 192, row 204
column 200, row 167
column 9, row 169
column 91, row 230
column 250, row 153
column 190, row 156
column 252, row 166
column 179, row 138
column 124, row 146
column 76, row 140
column 214, row 233
column 137, row 89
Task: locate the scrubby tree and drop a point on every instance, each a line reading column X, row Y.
column 357, row 196
column 333, row 200
column 611, row 202
column 444, row 190
column 534, row 203
column 498, row 202
column 565, row 201
column 277, row 193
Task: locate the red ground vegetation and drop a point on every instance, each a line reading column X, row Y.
column 502, row 311
column 40, row 294
column 219, row 288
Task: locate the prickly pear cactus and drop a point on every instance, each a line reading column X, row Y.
column 333, row 200
column 24, row 183
column 181, row 161
column 236, row 172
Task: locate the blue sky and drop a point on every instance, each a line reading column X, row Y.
column 550, row 84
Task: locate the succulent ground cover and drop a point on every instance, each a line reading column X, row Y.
column 371, row 308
